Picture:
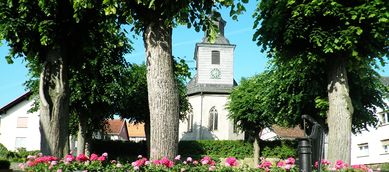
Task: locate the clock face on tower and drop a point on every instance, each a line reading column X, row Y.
column 215, row 73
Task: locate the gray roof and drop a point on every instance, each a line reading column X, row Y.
column 194, row 87
column 220, row 39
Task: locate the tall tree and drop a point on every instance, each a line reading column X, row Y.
column 135, row 101
column 53, row 37
column 156, row 19
column 247, row 110
column 342, row 35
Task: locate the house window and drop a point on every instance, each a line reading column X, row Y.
column 385, row 118
column 20, row 142
column 190, row 122
column 363, row 149
column 385, row 145
column 215, row 57
column 212, row 123
column 22, row 122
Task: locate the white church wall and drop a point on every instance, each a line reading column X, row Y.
column 201, row 113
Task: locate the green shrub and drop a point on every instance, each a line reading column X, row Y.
column 20, row 154
column 128, row 151
column 279, row 148
column 384, row 167
column 3, row 151
column 119, row 150
column 215, row 148
column 4, row 164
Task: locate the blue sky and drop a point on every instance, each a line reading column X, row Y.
column 248, row 59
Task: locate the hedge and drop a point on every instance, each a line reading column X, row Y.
column 127, row 150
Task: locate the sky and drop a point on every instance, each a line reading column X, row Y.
column 248, row 60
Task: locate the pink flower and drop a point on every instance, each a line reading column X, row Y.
column 323, row 162
column 207, row 160
column 265, row 164
column 54, row 163
column 101, row 158
column 59, row 170
column 290, row 161
column 189, row 159
column 105, row 154
column 166, row 162
column 69, row 158
column 212, row 168
column 139, row 162
column 231, row 161
column 140, row 156
column 177, row 158
column 339, row 164
column 31, row 157
column 21, row 166
column 280, row 164
column 288, row 166
column 195, row 162
column 82, row 158
column 94, row 157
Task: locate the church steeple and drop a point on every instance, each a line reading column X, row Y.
column 220, row 39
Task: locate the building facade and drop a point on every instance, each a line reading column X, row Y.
column 208, row 92
column 372, row 146
column 18, row 127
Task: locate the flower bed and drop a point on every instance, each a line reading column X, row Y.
column 230, row 164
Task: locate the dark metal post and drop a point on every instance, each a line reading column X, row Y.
column 305, row 155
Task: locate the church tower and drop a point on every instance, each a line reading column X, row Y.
column 209, row 89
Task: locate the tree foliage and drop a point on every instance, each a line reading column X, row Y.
column 246, row 105
column 302, row 36
column 341, row 38
column 58, row 39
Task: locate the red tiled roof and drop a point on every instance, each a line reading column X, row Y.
column 136, row 130
column 114, row 126
column 288, row 133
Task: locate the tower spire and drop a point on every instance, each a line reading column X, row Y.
column 220, row 39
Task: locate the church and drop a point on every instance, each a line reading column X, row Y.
column 208, row 92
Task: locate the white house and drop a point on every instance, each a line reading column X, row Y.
column 208, row 92
column 18, row 127
column 372, row 147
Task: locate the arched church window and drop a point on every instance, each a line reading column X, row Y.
column 213, row 119
column 215, row 57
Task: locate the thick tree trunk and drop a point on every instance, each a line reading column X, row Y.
column 340, row 112
column 257, row 148
column 162, row 91
column 54, row 108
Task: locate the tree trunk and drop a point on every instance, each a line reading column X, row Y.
column 162, row 91
column 81, row 135
column 54, row 107
column 257, row 148
column 147, row 134
column 340, row 112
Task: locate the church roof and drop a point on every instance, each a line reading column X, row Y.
column 220, row 39
column 194, row 87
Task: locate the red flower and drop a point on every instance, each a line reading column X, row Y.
column 82, row 158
